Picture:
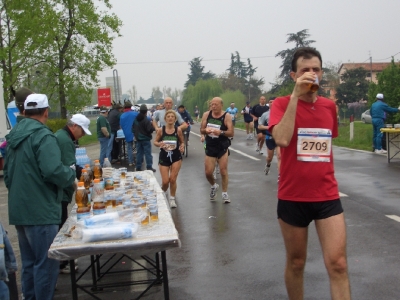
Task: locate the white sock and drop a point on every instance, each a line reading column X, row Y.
column 224, row 193
column 214, row 186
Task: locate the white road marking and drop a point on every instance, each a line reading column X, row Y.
column 237, row 151
column 244, row 154
column 342, row 195
column 394, row 217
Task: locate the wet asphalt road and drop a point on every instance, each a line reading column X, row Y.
column 235, row 251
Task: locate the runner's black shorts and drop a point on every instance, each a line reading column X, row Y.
column 216, row 150
column 165, row 161
column 301, row 214
column 258, row 130
column 270, row 143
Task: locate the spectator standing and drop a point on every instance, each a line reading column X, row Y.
column 35, row 178
column 114, row 146
column 142, row 130
column 76, row 128
column 103, row 133
column 126, row 122
column 378, row 114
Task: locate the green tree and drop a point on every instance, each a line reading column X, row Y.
column 18, row 50
column 201, row 93
column 236, row 97
column 175, row 94
column 354, row 86
column 300, row 40
column 133, row 94
column 197, row 72
column 389, row 85
column 237, row 67
column 330, row 79
column 78, row 44
column 157, row 94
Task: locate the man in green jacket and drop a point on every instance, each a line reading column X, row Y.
column 76, row 128
column 35, row 178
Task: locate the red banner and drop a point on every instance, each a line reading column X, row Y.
column 104, row 96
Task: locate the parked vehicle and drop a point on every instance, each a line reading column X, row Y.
column 366, row 117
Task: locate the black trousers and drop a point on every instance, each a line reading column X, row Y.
column 116, row 150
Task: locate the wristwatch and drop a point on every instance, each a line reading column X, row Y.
column 222, row 132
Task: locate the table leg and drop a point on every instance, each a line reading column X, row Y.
column 165, row 274
column 158, row 272
column 73, row 280
column 98, row 265
column 388, row 147
column 94, row 278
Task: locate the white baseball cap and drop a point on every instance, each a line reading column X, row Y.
column 34, row 101
column 82, row 121
column 379, row 96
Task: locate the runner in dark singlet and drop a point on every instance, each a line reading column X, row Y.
column 217, row 126
column 170, row 141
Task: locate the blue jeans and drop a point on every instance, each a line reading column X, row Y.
column 103, row 149
column 143, row 148
column 110, row 146
column 130, row 150
column 377, row 123
column 39, row 273
column 4, row 293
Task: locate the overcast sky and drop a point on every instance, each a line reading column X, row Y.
column 160, row 37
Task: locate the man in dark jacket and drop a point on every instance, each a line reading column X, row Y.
column 76, row 128
column 113, row 119
column 35, row 178
column 142, row 130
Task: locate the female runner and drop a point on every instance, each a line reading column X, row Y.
column 170, row 141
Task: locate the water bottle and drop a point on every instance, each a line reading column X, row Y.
column 81, row 199
column 99, row 207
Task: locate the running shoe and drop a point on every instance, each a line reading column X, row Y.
column 251, row 136
column 225, row 197
column 266, row 169
column 215, row 173
column 257, row 149
column 217, row 168
column 261, row 153
column 172, row 202
column 213, row 192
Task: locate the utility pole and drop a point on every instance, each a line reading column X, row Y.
column 117, row 92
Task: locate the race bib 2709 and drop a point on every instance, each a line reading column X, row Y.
column 314, row 144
